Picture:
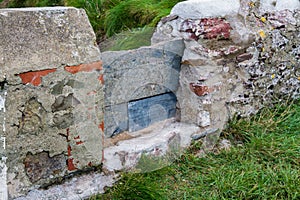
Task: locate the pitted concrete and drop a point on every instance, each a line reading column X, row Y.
column 36, row 38
column 51, row 97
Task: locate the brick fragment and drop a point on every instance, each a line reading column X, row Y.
column 199, row 90
column 84, row 67
column 101, row 126
column 71, row 166
column 34, row 77
column 101, row 79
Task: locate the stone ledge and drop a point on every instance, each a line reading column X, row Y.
column 160, row 139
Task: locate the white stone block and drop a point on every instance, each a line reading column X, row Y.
column 203, row 118
column 195, row 9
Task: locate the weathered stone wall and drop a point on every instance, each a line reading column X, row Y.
column 239, row 56
column 219, row 58
column 52, row 88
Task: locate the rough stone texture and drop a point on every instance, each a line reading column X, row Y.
column 36, row 123
column 239, row 56
column 53, row 93
column 164, row 140
column 41, row 165
column 39, row 35
column 275, row 5
column 75, row 188
column 138, row 74
column 195, row 9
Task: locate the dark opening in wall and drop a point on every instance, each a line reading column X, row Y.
column 146, row 111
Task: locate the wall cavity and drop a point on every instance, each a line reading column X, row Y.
column 135, row 75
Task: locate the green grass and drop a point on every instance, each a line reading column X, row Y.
column 34, row 3
column 130, row 39
column 109, row 17
column 136, row 13
column 264, row 163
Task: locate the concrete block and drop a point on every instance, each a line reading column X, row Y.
column 51, row 102
column 40, row 35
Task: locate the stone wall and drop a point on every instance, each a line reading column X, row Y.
column 239, row 56
column 216, row 58
column 52, row 88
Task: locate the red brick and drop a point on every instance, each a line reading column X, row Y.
column 71, row 166
column 79, row 142
column 101, row 126
column 69, row 150
column 199, row 90
column 77, row 137
column 101, row 79
column 34, row 77
column 84, row 67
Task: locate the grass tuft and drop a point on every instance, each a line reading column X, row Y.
column 126, row 40
column 265, row 166
column 134, row 186
column 136, row 13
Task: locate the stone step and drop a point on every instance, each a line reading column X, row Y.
column 162, row 139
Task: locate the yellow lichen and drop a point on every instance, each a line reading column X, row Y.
column 251, row 4
column 263, row 19
column 262, row 34
column 273, row 76
column 299, row 78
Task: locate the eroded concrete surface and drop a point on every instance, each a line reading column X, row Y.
column 51, row 86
